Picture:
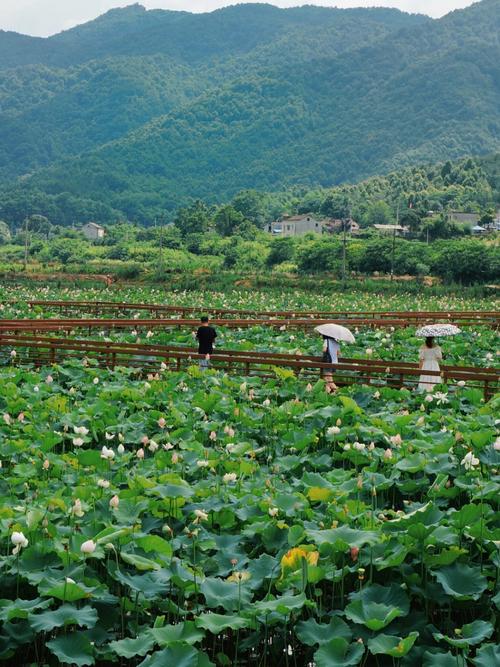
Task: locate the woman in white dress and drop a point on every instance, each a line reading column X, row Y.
column 430, row 355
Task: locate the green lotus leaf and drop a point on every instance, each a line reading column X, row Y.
column 487, row 656
column 469, row 635
column 283, row 604
column 177, row 656
column 66, row 615
column 151, row 584
column 66, row 591
column 73, row 649
column 181, row 632
column 343, row 537
column 154, row 543
column 376, row 606
column 216, row 623
column 139, row 562
column 311, row 632
column 227, row 594
column 111, row 535
column 461, row 581
column 397, row 647
column 171, row 491
column 12, row 609
column 432, row 658
column 130, row 648
column 339, row 653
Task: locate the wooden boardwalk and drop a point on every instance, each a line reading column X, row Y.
column 150, row 359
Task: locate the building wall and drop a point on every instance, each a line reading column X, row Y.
column 92, row 233
column 295, row 227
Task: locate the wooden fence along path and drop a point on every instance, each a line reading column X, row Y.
column 375, row 318
column 43, row 350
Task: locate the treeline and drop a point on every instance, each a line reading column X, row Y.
column 471, row 185
column 130, row 251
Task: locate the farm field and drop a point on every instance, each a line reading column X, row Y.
column 198, row 518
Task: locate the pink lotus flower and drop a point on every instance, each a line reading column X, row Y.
column 114, row 502
column 162, row 422
column 140, row 453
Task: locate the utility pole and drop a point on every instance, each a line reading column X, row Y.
column 394, row 241
column 26, row 244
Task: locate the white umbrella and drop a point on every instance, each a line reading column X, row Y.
column 434, row 330
column 336, row 331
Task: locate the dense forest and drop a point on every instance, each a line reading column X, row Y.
column 139, row 112
column 471, row 184
column 211, row 239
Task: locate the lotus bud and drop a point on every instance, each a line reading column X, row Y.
column 88, row 547
column 114, row 502
column 140, row 453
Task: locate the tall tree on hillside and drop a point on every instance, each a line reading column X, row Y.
column 227, row 220
column 194, row 219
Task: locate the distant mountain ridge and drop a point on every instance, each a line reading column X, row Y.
column 145, row 110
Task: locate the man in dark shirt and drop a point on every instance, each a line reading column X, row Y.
column 206, row 336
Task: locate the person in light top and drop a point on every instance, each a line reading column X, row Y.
column 430, row 355
column 331, row 354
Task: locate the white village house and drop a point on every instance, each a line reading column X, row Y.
column 93, row 232
column 296, row 225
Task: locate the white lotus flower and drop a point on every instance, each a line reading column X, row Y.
column 13, row 354
column 332, row 430
column 95, row 380
column 120, row 449
column 441, row 398
column 140, row 453
column 359, row 446
column 107, row 453
column 19, row 540
column 103, row 483
column 78, row 442
column 77, row 509
column 496, row 445
column 202, row 463
column 153, row 446
column 80, row 430
column 162, row 422
column 88, row 547
column 388, row 454
column 109, row 436
column 469, row 461
column 273, row 511
column 114, row 502
column 200, row 516
column 229, row 477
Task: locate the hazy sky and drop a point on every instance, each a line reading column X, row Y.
column 46, row 17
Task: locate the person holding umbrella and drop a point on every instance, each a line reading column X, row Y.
column 332, row 335
column 431, row 354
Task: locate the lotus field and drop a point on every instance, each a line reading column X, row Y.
column 190, row 519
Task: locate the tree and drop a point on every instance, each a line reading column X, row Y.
column 282, row 250
column 250, row 204
column 379, row 213
column 5, row 235
column 194, row 219
column 227, row 220
column 335, row 205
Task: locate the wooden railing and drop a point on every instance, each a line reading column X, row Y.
column 106, row 324
column 402, row 318
column 43, row 350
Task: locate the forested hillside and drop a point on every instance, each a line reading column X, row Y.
column 139, row 112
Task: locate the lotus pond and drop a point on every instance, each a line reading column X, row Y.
column 476, row 346
column 199, row 519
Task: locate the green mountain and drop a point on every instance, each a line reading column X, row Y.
column 141, row 111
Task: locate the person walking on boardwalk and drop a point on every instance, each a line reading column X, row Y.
column 205, row 336
column 430, row 355
column 332, row 334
